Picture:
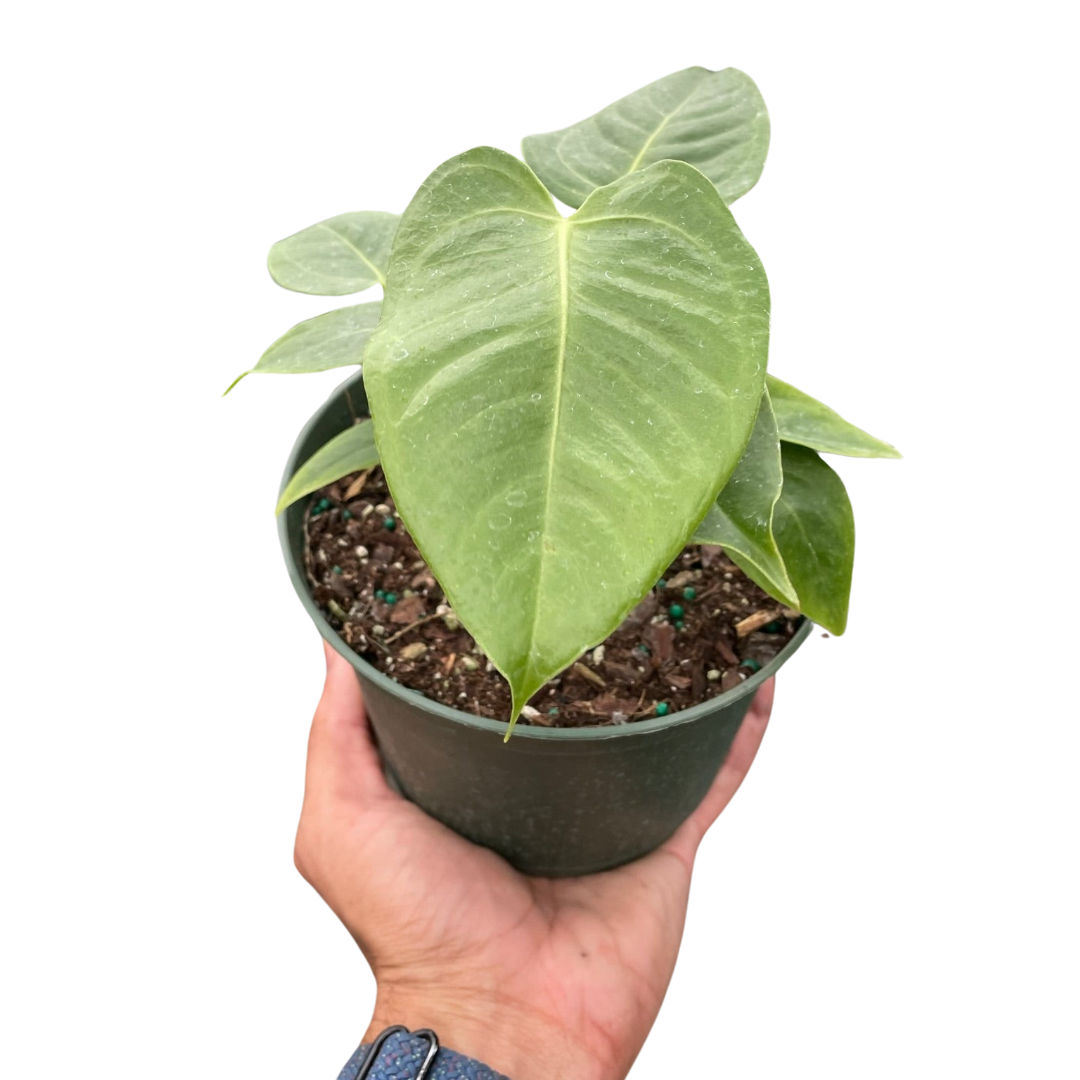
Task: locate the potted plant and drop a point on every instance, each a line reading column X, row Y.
column 564, row 494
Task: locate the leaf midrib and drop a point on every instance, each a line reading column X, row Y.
column 563, row 254
column 659, row 128
column 357, row 252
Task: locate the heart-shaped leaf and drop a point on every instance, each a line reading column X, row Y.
column 741, row 521
column 557, row 401
column 333, row 340
column 815, row 531
column 344, row 254
column 348, row 452
column 804, row 420
column 715, row 120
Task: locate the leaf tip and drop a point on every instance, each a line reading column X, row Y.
column 520, row 700
column 235, row 381
column 284, row 502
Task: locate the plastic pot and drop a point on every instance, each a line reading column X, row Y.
column 553, row 801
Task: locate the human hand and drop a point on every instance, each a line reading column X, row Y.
column 538, row 978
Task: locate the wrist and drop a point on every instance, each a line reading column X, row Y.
column 506, row 1037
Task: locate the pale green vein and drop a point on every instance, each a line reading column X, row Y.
column 563, row 259
column 663, row 124
column 299, row 265
column 695, row 241
column 570, row 168
column 459, row 367
column 379, row 276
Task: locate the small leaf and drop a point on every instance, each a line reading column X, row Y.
column 804, row 420
column 742, row 520
column 344, row 254
column 715, row 120
column 333, row 340
column 815, row 531
column 559, row 400
column 348, row 452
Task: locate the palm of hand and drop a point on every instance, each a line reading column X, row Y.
column 564, row 977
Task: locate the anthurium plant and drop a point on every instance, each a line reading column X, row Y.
column 561, row 402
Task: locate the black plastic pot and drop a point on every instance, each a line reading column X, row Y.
column 553, row 801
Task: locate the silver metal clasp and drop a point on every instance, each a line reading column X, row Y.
column 380, row 1041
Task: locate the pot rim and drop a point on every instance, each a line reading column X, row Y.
column 527, row 731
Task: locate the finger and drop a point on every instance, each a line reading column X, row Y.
column 343, row 762
column 732, row 773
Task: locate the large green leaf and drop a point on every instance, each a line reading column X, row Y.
column 715, row 120
column 741, row 521
column 804, row 420
column 557, row 401
column 353, row 449
column 815, row 531
column 344, row 254
column 333, row 340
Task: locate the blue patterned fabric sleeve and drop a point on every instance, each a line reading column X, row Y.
column 402, row 1055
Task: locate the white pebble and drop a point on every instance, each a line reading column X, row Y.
column 383, row 509
column 598, row 654
column 529, row 712
column 398, row 566
column 378, row 631
column 368, row 510
column 712, row 675
column 361, row 552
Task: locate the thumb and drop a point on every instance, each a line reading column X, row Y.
column 343, row 762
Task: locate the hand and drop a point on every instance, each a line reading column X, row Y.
column 539, row 979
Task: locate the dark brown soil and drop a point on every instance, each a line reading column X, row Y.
column 368, row 577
